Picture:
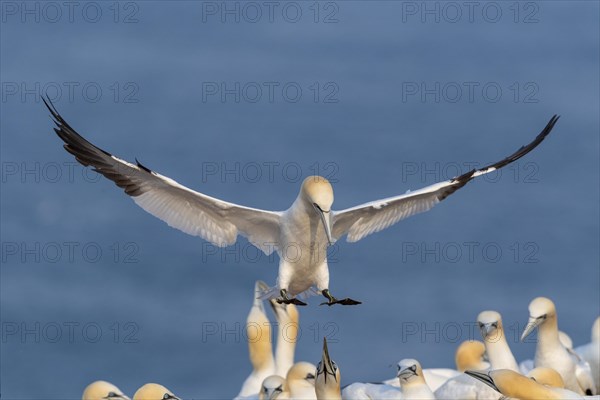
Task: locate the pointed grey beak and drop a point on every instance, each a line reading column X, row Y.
column 326, row 364
column 486, row 329
column 326, row 219
column 483, row 377
column 531, row 325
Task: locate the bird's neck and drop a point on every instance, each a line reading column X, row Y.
column 548, row 334
column 287, row 334
column 499, row 352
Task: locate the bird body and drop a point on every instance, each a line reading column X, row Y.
column 496, row 346
column 300, row 235
column 412, row 382
column 514, row 385
column 550, row 352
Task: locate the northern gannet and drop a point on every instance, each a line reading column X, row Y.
column 328, row 380
column 470, row 354
column 102, row 390
column 547, row 376
column 526, row 366
column 550, row 352
column 287, row 335
column 300, row 235
column 514, row 385
column 412, row 382
column 496, row 346
column 154, row 391
column 260, row 348
column 300, row 382
column 591, row 353
column 271, row 387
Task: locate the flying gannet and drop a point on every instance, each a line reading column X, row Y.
column 591, row 353
column 102, row 390
column 514, row 385
column 494, row 337
column 300, row 235
column 260, row 348
column 154, row 391
column 328, row 380
column 550, row 352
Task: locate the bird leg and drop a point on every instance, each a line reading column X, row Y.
column 332, row 300
column 286, row 300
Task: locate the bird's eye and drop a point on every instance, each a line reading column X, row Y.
column 167, row 396
column 414, row 368
column 481, row 324
column 495, row 324
column 112, row 394
column 279, row 388
column 310, row 376
column 335, row 367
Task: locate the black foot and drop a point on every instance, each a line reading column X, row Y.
column 332, row 300
column 284, row 299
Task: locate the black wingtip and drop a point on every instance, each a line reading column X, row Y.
column 139, row 164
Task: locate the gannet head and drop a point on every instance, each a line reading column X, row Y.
column 547, row 376
column 410, row 372
column 490, row 325
column 102, row 390
column 540, row 309
column 317, row 192
column 596, row 331
column 300, row 377
column 470, row 355
column 328, row 382
column 154, row 391
column 271, row 387
column 512, row 384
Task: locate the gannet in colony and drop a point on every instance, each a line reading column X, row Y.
column 410, row 375
column 591, row 353
column 300, row 382
column 328, row 379
column 547, row 376
column 550, row 352
column 299, row 235
column 102, row 390
column 260, row 348
column 287, row 335
column 471, row 355
column 496, row 346
column 527, row 365
column 271, row 387
column 515, row 385
column 154, row 391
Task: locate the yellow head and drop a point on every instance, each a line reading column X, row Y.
column 154, row 391
column 317, row 190
column 469, row 355
column 546, row 376
column 541, row 309
column 102, row 390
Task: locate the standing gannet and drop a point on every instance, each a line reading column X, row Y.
column 300, row 235
column 328, row 380
column 550, row 352
column 412, row 382
column 547, row 376
column 591, row 353
column 102, row 390
column 287, row 335
column 514, row 385
column 260, row 348
column 154, row 391
column 496, row 346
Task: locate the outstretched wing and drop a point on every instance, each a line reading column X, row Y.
column 214, row 220
column 360, row 221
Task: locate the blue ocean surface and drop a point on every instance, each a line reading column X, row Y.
column 241, row 101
